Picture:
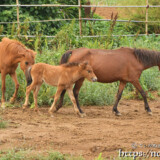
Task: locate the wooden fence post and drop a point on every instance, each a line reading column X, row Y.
column 146, row 26
column 80, row 20
column 17, row 2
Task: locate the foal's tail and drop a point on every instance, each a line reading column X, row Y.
column 28, row 76
column 65, row 57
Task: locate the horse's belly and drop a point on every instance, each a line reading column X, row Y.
column 51, row 81
column 109, row 76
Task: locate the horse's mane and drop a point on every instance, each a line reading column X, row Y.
column 70, row 64
column 147, row 57
column 13, row 46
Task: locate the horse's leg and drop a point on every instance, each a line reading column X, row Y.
column 76, row 89
column 35, row 93
column 14, row 77
column 138, row 86
column 61, row 100
column 28, row 90
column 71, row 95
column 3, row 78
column 53, row 107
column 119, row 95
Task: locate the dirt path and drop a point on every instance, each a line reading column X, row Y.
column 100, row 131
column 106, row 12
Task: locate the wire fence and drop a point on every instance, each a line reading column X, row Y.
column 80, row 19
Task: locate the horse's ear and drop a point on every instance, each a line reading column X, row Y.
column 85, row 62
column 21, row 54
column 83, row 65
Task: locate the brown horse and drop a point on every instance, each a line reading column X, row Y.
column 63, row 76
column 11, row 53
column 123, row 64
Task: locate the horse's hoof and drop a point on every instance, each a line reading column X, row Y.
column 50, row 113
column 118, row 114
column 82, row 115
column 12, row 100
column 149, row 113
column 3, row 105
column 54, row 110
column 24, row 107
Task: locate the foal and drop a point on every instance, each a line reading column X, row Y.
column 63, row 76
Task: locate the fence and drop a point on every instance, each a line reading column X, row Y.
column 79, row 6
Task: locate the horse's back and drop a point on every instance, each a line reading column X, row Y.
column 109, row 65
column 46, row 72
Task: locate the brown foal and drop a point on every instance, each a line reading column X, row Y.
column 63, row 76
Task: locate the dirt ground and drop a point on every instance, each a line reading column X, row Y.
column 99, row 132
column 106, row 12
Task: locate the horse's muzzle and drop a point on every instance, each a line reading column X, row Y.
column 94, row 79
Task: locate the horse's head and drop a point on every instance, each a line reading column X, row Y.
column 27, row 60
column 87, row 71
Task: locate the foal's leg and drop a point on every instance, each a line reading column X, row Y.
column 35, row 93
column 76, row 90
column 119, row 95
column 28, row 90
column 138, row 86
column 53, row 107
column 3, row 78
column 14, row 77
column 61, row 100
column 70, row 92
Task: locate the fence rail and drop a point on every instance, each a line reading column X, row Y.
column 80, row 19
column 85, row 6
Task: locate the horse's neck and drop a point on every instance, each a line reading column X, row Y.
column 76, row 75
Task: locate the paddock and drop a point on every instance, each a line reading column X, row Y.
column 99, row 132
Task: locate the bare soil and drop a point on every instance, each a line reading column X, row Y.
column 106, row 12
column 100, row 131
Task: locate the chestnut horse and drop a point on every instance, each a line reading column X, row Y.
column 123, row 64
column 63, row 76
column 13, row 52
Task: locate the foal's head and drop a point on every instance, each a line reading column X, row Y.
column 87, row 71
column 28, row 59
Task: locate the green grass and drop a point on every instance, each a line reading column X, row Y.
column 21, row 154
column 30, row 155
column 3, row 124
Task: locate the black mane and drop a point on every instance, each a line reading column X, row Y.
column 147, row 57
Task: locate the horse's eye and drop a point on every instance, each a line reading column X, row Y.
column 26, row 63
column 89, row 71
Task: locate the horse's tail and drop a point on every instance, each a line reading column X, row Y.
column 28, row 76
column 65, row 57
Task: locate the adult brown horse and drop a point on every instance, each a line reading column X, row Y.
column 123, row 64
column 11, row 53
